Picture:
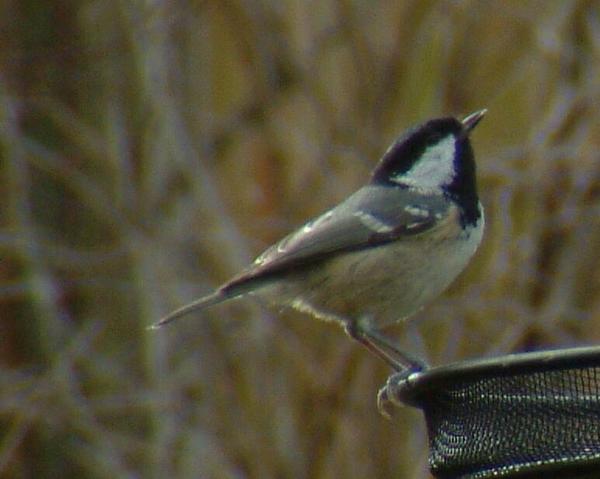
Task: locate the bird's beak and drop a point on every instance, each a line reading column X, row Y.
column 471, row 120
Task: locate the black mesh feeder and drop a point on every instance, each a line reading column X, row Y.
column 531, row 415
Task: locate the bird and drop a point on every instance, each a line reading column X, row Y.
column 384, row 252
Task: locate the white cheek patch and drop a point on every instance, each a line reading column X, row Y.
column 434, row 168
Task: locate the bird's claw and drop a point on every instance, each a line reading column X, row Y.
column 384, row 403
column 395, row 392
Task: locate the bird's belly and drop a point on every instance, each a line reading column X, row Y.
column 384, row 284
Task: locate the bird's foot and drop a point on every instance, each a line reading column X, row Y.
column 396, row 392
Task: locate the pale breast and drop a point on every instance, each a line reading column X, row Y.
column 387, row 283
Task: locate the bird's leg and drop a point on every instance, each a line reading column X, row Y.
column 359, row 336
column 382, row 347
column 404, row 359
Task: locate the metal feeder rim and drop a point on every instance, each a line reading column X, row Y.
column 515, row 364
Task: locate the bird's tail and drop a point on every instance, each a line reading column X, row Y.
column 214, row 298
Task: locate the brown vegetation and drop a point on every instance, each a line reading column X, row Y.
column 150, row 149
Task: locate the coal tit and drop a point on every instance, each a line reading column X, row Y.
column 383, row 253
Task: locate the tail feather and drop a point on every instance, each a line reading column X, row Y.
column 214, row 298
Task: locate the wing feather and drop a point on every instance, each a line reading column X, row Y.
column 372, row 217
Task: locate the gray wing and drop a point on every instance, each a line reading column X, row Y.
column 371, row 217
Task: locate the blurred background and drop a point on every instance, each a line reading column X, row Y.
column 149, row 150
